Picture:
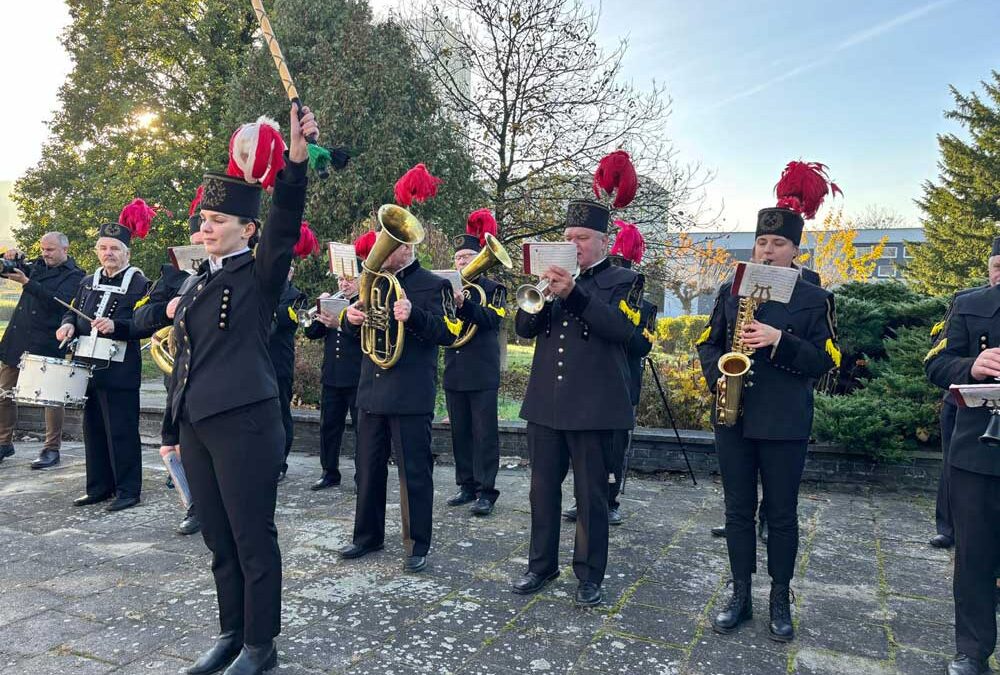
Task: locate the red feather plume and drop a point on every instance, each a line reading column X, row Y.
column 137, row 216
column 307, row 244
column 803, row 186
column 363, row 244
column 480, row 223
column 629, row 243
column 616, row 175
column 193, row 209
column 256, row 152
column 416, row 185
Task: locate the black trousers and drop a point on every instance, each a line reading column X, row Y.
column 976, row 512
column 232, row 462
column 410, row 437
column 550, row 451
column 111, row 442
column 942, row 511
column 780, row 465
column 336, row 402
column 285, row 400
column 475, row 440
column 616, row 470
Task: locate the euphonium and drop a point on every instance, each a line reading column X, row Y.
column 162, row 349
column 491, row 256
column 381, row 335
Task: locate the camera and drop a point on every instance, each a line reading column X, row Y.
column 11, row 266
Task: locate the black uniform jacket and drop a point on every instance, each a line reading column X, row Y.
column 36, row 318
column 476, row 366
column 341, row 353
column 410, row 387
column 126, row 374
column 224, row 318
column 778, row 389
column 638, row 347
column 579, row 375
column 810, row 276
column 939, row 332
column 151, row 313
column 281, row 342
column 974, row 326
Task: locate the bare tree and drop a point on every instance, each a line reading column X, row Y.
column 541, row 103
column 690, row 269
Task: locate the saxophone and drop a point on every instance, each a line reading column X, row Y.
column 733, row 365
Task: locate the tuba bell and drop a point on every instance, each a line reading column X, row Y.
column 381, row 335
column 163, row 348
column 492, row 255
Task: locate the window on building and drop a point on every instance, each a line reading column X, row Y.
column 860, row 251
column 889, row 252
column 907, row 253
column 885, row 271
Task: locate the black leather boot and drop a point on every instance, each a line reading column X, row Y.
column 966, row 665
column 46, row 459
column 781, row 613
column 254, row 660
column 737, row 610
column 226, row 648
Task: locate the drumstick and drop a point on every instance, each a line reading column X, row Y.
column 72, row 309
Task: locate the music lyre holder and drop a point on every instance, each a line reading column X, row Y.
column 673, row 425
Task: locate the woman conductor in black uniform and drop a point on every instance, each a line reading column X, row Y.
column 790, row 345
column 225, row 395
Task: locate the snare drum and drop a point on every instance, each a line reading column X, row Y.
column 50, row 382
column 99, row 348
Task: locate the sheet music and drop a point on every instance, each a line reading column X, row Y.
column 343, row 260
column 976, row 395
column 541, row 255
column 187, row 258
column 453, row 276
column 767, row 282
column 333, row 307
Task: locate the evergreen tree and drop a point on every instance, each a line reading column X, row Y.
column 141, row 116
column 961, row 210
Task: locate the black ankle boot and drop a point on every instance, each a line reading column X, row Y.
column 737, row 610
column 222, row 653
column 254, row 660
column 781, row 613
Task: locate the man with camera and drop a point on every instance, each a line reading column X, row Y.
column 52, row 275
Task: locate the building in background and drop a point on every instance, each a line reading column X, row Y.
column 740, row 245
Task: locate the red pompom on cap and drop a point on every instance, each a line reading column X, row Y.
column 256, row 152
column 629, row 243
column 196, row 202
column 363, row 244
column 616, row 176
column 416, row 185
column 803, row 186
column 137, row 217
column 480, row 223
column 307, row 244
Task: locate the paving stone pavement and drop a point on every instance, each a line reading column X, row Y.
column 84, row 591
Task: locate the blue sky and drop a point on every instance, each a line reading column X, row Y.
column 860, row 86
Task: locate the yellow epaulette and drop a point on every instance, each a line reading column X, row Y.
column 937, row 328
column 501, row 311
column 454, row 325
column 292, row 315
column 705, row 334
column 833, row 351
column 632, row 314
column 340, row 320
column 936, row 349
column 649, row 336
column 140, row 303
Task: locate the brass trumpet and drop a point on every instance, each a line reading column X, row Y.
column 531, row 298
column 305, row 317
column 382, row 336
column 491, row 256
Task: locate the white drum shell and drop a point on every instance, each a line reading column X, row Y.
column 51, row 382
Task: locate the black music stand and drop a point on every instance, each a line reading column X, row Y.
column 673, row 425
